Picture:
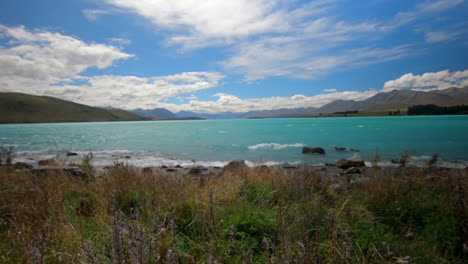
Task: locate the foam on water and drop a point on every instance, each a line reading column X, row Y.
column 276, row 146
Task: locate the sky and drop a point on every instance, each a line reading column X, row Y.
column 211, row 56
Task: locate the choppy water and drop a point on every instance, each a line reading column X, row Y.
column 271, row 141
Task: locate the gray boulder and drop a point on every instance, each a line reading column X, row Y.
column 195, row 170
column 313, row 150
column 345, row 149
column 47, row 162
column 235, row 165
column 346, row 164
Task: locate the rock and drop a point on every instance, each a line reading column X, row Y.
column 171, row 170
column 346, row 164
column 313, row 150
column 345, row 149
column 72, row 154
column 178, row 166
column 163, row 167
column 336, row 189
column 128, row 157
column 290, row 167
column 22, row 166
column 330, row 165
column 73, row 171
column 195, row 170
column 47, row 162
column 147, row 170
column 353, row 170
column 339, row 149
column 394, row 161
column 235, row 165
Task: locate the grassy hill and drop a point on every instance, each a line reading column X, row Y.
column 24, row 108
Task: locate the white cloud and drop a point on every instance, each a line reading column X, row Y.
column 329, row 90
column 130, row 92
column 94, row 14
column 45, row 63
column 267, row 38
column 231, row 103
column 440, row 36
column 431, row 80
column 297, row 60
column 120, row 41
column 422, row 10
column 44, row 57
column 202, row 22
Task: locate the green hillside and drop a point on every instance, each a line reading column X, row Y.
column 24, row 108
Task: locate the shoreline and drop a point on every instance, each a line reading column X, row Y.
column 103, row 159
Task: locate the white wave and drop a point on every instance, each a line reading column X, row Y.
column 276, row 146
column 222, row 132
column 420, row 158
column 360, row 126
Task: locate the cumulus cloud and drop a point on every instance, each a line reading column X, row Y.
column 202, row 22
column 41, row 57
column 232, row 103
column 428, row 81
column 129, row 92
column 46, row 63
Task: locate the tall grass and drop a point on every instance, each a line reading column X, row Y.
column 243, row 215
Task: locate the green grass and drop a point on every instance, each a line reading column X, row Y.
column 259, row 215
column 23, row 108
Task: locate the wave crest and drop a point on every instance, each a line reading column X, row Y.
column 275, row 146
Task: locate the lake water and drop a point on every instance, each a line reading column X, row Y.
column 260, row 141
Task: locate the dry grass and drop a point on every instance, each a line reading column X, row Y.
column 259, row 215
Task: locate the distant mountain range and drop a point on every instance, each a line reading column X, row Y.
column 25, row 108
column 397, row 99
column 157, row 112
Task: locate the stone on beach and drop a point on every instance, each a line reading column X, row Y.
column 346, row 164
column 234, row 166
column 313, row 150
column 47, row 162
column 195, row 170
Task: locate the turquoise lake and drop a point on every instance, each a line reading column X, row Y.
column 261, row 141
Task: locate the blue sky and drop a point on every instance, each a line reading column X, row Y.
column 213, row 55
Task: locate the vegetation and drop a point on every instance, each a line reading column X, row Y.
column 259, row 215
column 23, row 108
column 388, row 112
column 432, row 109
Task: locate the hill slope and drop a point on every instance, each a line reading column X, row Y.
column 398, row 99
column 24, row 108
